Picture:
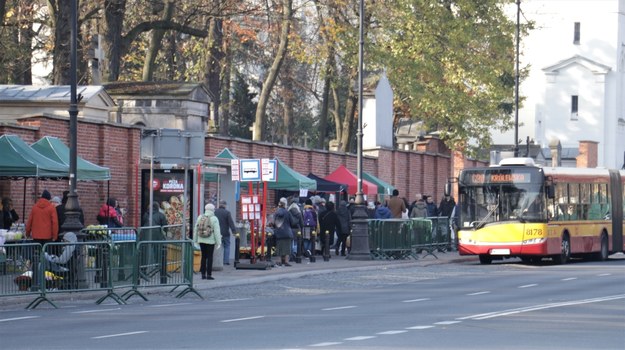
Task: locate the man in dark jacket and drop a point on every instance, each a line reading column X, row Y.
column 9, row 215
column 329, row 224
column 345, row 218
column 226, row 226
column 158, row 219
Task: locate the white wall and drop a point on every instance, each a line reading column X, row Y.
column 545, row 113
column 378, row 116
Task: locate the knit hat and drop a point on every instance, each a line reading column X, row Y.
column 46, row 195
column 223, row 203
column 56, row 200
column 209, row 207
column 283, row 202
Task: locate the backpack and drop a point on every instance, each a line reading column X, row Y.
column 309, row 218
column 204, row 227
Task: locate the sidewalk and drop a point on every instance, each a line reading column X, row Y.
column 230, row 276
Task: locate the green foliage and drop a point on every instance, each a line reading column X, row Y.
column 243, row 109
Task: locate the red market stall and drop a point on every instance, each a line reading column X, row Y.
column 344, row 176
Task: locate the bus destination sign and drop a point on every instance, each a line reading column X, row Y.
column 478, row 178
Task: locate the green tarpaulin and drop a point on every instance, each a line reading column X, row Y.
column 290, row 180
column 224, row 154
column 383, row 187
column 18, row 159
column 55, row 149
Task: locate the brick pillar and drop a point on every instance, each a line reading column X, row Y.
column 587, row 157
column 556, row 153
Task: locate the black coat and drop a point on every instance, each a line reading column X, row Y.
column 8, row 218
column 329, row 221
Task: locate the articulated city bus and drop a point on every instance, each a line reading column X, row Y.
column 518, row 209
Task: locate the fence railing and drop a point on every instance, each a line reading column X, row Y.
column 407, row 238
column 107, row 259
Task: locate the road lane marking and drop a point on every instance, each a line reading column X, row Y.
column 118, row 335
column 444, row 323
column 328, row 343
column 479, row 293
column 604, row 274
column 569, row 279
column 94, row 311
column 392, row 332
column 415, row 300
column 242, row 319
column 420, row 327
column 168, row 305
column 18, row 318
column 230, row 300
column 540, row 307
column 339, row 308
column 362, row 337
column 528, row 285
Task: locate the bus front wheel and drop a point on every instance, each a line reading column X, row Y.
column 565, row 251
column 485, row 259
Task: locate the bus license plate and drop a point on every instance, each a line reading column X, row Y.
column 500, row 252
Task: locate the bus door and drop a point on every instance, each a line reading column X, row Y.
column 616, row 211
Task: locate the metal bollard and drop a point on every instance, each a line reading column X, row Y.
column 326, row 247
column 237, row 246
column 300, row 247
column 313, row 239
column 269, row 247
column 163, row 271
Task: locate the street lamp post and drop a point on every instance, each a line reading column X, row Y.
column 516, row 80
column 72, row 207
column 360, row 235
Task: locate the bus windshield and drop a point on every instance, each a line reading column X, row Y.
column 496, row 201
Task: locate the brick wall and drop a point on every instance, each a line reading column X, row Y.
column 588, row 153
column 118, row 147
column 112, row 146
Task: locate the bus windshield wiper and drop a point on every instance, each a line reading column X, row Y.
column 490, row 213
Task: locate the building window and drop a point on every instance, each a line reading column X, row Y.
column 576, row 33
column 574, row 107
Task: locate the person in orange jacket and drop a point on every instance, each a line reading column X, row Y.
column 42, row 225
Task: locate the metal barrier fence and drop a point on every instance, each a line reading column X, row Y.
column 393, row 239
column 107, row 260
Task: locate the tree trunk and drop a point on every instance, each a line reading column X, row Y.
column 350, row 113
column 156, row 42
column 214, row 60
column 225, row 110
column 272, row 75
column 62, row 39
column 111, row 32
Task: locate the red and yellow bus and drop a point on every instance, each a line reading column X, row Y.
column 518, row 209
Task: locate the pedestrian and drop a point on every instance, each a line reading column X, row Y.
column 158, row 219
column 431, row 206
column 282, row 232
column 417, row 197
column 207, row 234
column 381, row 211
column 371, row 210
column 226, row 224
column 329, row 224
column 345, row 219
column 396, row 205
column 297, row 222
column 108, row 215
column 42, row 225
column 311, row 224
column 419, row 210
column 9, row 215
column 447, row 206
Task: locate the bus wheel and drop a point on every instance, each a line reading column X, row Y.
column 565, row 253
column 602, row 255
column 485, row 259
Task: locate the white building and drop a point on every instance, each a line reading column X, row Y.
column 576, row 84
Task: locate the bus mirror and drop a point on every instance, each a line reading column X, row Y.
column 551, row 193
column 448, row 189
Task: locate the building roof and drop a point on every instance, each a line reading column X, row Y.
column 51, row 93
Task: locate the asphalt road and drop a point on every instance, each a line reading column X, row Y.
column 454, row 306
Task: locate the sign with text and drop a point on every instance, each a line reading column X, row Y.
column 235, row 170
column 250, row 170
column 269, row 169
